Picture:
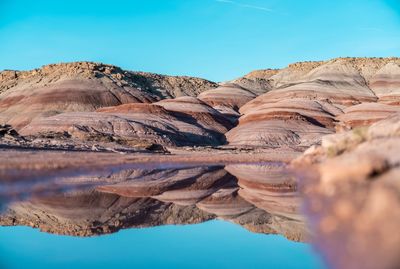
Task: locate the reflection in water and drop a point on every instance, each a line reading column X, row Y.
column 261, row 198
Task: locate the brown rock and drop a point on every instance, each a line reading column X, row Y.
column 352, row 199
column 386, row 83
column 365, row 114
column 187, row 122
column 296, row 122
column 83, row 86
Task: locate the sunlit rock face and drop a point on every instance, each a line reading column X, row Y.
column 228, row 95
column 293, row 122
column 99, row 204
column 352, row 196
column 365, row 114
column 386, row 84
column 83, row 86
column 181, row 121
column 227, row 99
column 232, row 95
column 292, row 107
column 306, row 101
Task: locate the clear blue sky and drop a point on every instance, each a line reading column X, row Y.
column 214, row 39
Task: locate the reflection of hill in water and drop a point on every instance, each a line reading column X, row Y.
column 261, row 198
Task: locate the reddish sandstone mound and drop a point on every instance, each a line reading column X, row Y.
column 133, row 124
column 83, row 86
column 365, row 114
column 296, row 122
column 319, row 112
column 227, row 99
column 307, row 101
column 292, row 107
column 133, row 108
column 197, row 110
column 230, row 96
column 386, row 83
column 339, row 83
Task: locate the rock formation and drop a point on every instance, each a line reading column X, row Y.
column 83, row 86
column 352, row 195
column 179, row 122
column 365, row 114
column 307, row 100
column 342, row 113
column 292, row 107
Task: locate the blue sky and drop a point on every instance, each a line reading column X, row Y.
column 214, row 39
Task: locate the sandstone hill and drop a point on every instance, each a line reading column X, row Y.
column 310, row 99
column 184, row 121
column 84, row 86
column 292, row 107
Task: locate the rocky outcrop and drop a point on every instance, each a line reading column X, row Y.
column 352, row 195
column 232, row 95
column 292, row 107
column 365, row 114
column 228, row 95
column 311, row 99
column 182, row 121
column 386, row 83
column 8, row 134
column 295, row 122
column 227, row 99
column 83, row 87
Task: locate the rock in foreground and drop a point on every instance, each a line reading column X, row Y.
column 353, row 196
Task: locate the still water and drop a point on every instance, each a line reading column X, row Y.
column 233, row 216
column 213, row 244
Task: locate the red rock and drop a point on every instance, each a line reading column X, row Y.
column 366, row 114
column 83, row 87
column 228, row 95
column 296, row 122
column 386, row 84
column 185, row 123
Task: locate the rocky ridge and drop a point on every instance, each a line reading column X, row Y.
column 292, row 107
column 83, row 87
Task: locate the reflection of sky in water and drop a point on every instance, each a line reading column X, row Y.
column 214, row 244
